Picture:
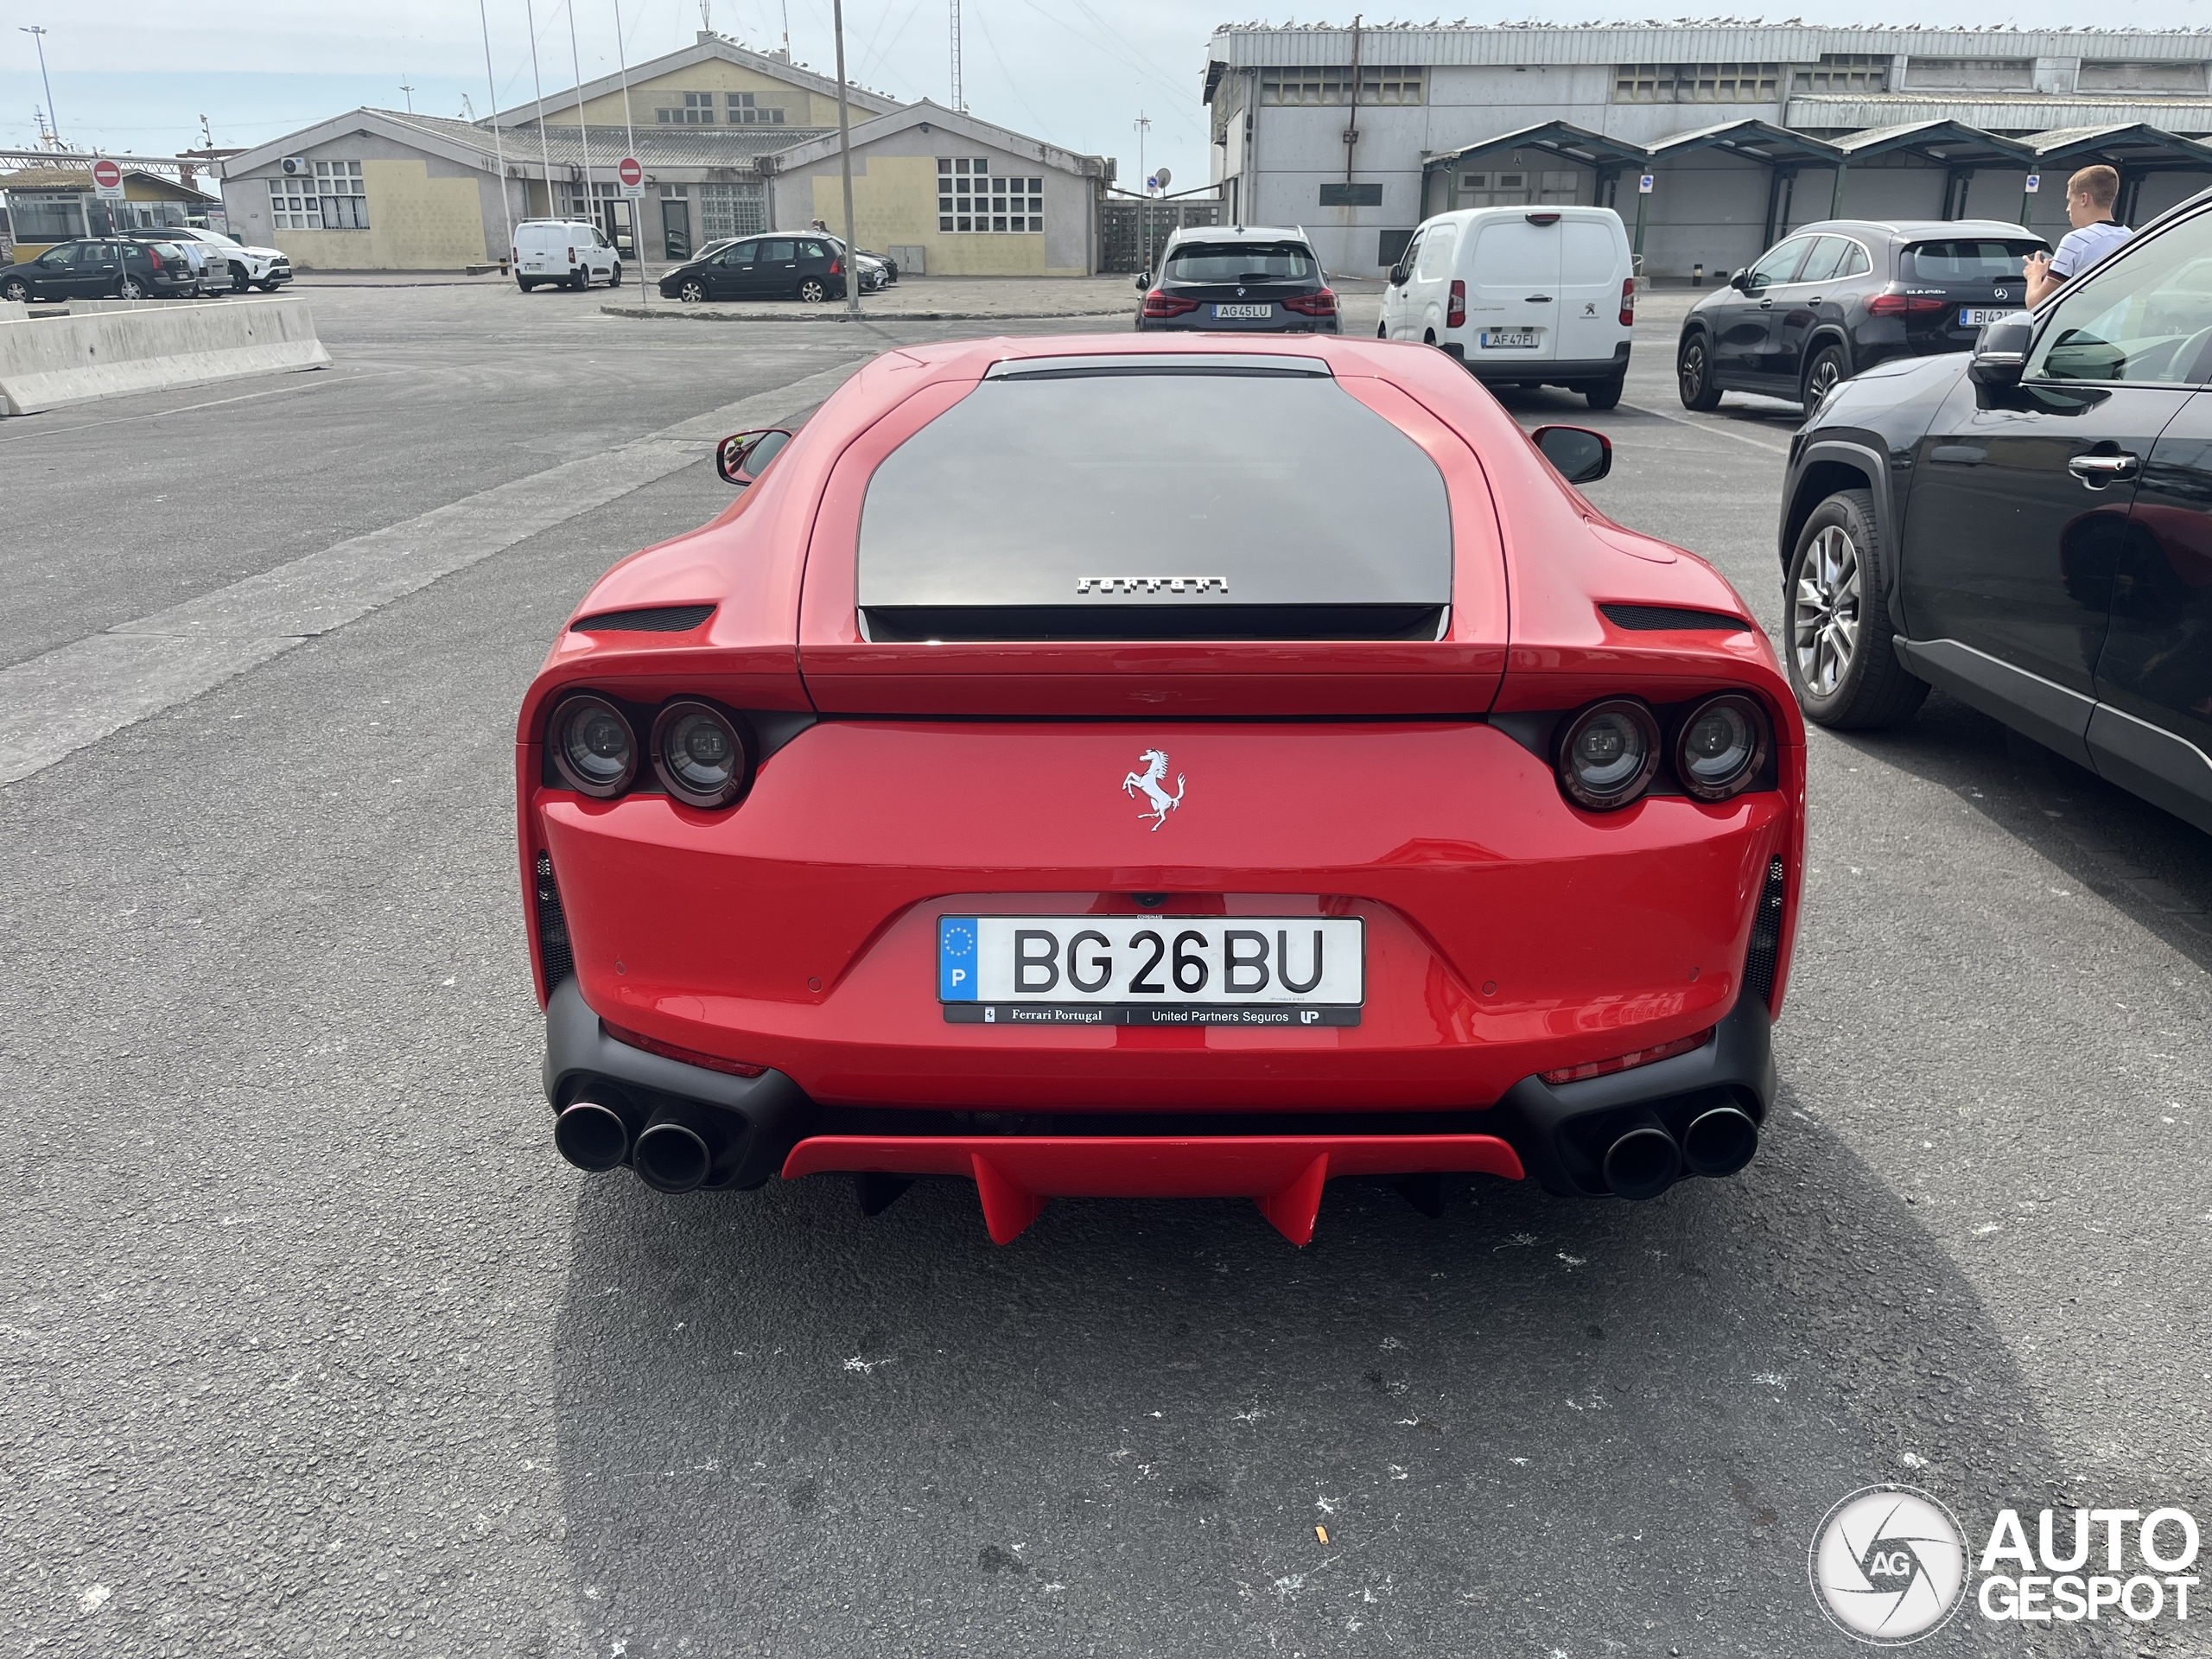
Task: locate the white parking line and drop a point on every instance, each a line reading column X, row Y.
column 1712, row 426
column 77, row 694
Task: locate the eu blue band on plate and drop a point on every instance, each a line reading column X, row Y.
column 955, row 958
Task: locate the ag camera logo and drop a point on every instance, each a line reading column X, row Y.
column 1888, row 1565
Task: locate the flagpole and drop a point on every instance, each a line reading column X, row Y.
column 845, row 160
column 545, row 151
column 499, row 149
column 584, row 133
column 630, row 132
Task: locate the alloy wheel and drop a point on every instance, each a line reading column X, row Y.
column 129, row 288
column 1824, row 623
column 1691, row 370
column 812, row 292
column 691, row 293
column 15, row 291
column 1826, row 370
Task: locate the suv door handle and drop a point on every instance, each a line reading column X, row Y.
column 2097, row 471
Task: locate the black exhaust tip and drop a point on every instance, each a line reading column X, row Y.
column 1719, row 1141
column 592, row 1135
column 1643, row 1163
column 671, row 1156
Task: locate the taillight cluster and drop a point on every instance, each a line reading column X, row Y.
column 1322, row 304
column 1157, row 304
column 1610, row 752
column 1455, row 310
column 1628, row 303
column 701, row 753
column 1905, row 305
column 836, row 266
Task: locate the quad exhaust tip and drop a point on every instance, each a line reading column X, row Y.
column 671, row 1156
column 1643, row 1162
column 592, row 1135
column 1719, row 1141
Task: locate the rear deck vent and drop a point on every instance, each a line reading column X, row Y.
column 1659, row 618
column 891, row 624
column 552, row 927
column 1766, row 938
column 660, row 618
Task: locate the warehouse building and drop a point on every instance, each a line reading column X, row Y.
column 1744, row 130
column 731, row 142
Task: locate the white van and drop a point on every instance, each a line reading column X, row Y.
column 566, row 250
column 1532, row 296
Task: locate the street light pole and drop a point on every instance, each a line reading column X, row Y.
column 845, row 162
column 38, row 38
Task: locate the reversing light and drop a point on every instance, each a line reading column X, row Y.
column 594, row 749
column 1455, row 305
column 699, row 754
column 1629, row 1061
column 1721, row 746
column 1608, row 753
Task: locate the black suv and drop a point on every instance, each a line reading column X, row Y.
column 795, row 267
column 98, row 267
column 1216, row 279
column 2028, row 527
column 1841, row 296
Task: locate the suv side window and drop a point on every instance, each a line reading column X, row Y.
column 1781, row 264
column 1825, row 261
column 2143, row 314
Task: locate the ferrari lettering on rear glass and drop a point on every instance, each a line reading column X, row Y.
column 1191, row 585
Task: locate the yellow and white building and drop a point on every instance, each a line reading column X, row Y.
column 731, row 142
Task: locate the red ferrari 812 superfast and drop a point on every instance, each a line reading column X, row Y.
column 1174, row 765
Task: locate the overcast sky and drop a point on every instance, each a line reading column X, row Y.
column 138, row 74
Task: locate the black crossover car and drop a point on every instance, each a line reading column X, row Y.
column 800, row 267
column 1837, row 297
column 1218, row 279
column 102, row 268
column 2028, row 527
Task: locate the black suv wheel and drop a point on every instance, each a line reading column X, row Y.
column 1821, row 374
column 1693, row 373
column 1840, row 650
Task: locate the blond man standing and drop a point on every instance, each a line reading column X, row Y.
column 2089, row 197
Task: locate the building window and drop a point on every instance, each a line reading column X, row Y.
column 1844, row 71
column 1970, row 74
column 2139, row 75
column 1379, row 84
column 698, row 111
column 341, row 196
column 1696, row 83
column 1352, row 196
column 46, row 219
column 744, row 112
column 573, row 201
column 726, row 210
column 970, row 197
column 1517, row 189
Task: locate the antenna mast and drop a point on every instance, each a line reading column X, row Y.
column 959, row 99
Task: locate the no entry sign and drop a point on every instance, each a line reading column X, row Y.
column 108, row 181
column 632, row 176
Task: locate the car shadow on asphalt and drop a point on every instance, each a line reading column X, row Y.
column 1153, row 1427
column 2154, row 866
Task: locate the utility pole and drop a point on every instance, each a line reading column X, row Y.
column 958, row 97
column 1143, row 127
column 53, row 122
column 845, row 162
column 544, row 148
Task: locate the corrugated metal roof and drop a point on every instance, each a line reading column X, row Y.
column 1716, row 40
column 1997, row 111
column 657, row 145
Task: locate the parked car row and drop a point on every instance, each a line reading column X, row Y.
column 170, row 262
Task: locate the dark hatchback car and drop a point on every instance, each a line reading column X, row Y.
column 101, row 267
column 800, row 267
column 1841, row 296
column 2028, row 526
column 1242, row 279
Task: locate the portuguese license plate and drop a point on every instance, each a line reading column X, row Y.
column 1511, row 339
column 1974, row 316
column 1152, row 970
column 1244, row 312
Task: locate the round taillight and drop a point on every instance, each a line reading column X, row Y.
column 593, row 748
column 1721, row 746
column 1608, row 753
column 700, row 754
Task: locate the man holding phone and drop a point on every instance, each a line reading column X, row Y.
column 2089, row 197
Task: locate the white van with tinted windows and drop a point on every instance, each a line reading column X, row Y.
column 570, row 251
column 1532, row 296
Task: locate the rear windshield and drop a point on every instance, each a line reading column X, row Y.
column 1240, row 262
column 1979, row 261
column 1271, row 489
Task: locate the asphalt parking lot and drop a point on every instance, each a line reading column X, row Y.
column 309, row 1343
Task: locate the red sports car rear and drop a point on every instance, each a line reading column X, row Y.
column 1180, row 765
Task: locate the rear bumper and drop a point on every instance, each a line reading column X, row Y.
column 1195, row 325
column 1575, row 372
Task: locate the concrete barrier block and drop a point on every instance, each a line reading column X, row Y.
column 48, row 362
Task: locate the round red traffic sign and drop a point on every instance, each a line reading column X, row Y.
column 629, row 172
column 106, row 174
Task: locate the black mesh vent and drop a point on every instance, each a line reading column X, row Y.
column 1657, row 619
column 552, row 926
column 887, row 623
column 661, row 619
column 1766, row 938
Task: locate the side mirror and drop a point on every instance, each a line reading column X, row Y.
column 1144, row 281
column 743, row 456
column 1741, row 282
column 1581, row 455
column 2000, row 351
column 1397, row 276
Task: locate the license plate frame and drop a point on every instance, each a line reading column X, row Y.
column 1243, row 312
column 1152, row 970
column 1510, row 339
column 1977, row 316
